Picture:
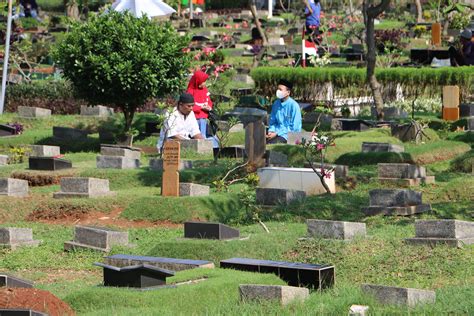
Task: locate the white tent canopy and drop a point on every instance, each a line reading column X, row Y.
column 138, row 8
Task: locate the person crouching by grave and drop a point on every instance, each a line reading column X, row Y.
column 202, row 105
column 285, row 116
column 464, row 56
column 180, row 123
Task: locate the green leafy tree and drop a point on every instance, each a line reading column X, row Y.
column 122, row 61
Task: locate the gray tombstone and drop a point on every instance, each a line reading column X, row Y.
column 381, row 147
column 399, row 295
column 295, row 138
column 13, row 187
column 335, row 229
column 44, row 151
column 451, row 232
column 98, row 111
column 83, row 187
column 200, row 146
column 69, row 134
column 157, row 164
column 12, row 237
column 280, row 293
column 174, row 264
column 403, row 174
column 395, row 202
column 3, row 160
column 271, row 196
column 193, row 189
column 33, row 112
column 96, row 238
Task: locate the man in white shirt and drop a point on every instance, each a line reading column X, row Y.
column 180, row 123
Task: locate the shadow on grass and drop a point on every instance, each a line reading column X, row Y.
column 72, row 146
column 459, row 210
column 359, row 159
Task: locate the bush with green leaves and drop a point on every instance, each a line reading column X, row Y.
column 122, row 61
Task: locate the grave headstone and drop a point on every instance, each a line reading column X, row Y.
column 270, row 196
column 7, row 130
column 368, row 147
column 449, row 232
column 407, row 132
column 13, row 238
column 255, row 143
column 395, row 202
column 403, row 174
column 313, row 117
column 3, row 160
column 48, row 163
column 96, row 238
column 121, row 260
column 207, row 230
column 248, row 115
column 340, row 171
column 243, row 78
column 200, row 146
column 470, row 124
column 44, row 151
column 69, row 134
column 118, row 157
column 280, row 293
column 99, row 111
column 313, row 276
column 83, row 187
column 301, row 179
column 13, row 187
column 171, row 158
column 157, row 164
column 350, row 125
column 325, row 229
column 20, row 312
column 451, row 103
column 275, row 159
column 7, row 280
column 399, row 295
column 232, row 152
column 33, row 112
column 137, row 276
column 193, row 189
column 390, row 113
column 224, row 126
column 466, row 110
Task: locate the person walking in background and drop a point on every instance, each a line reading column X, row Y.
column 313, row 19
column 285, row 116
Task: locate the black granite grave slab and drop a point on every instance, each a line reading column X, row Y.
column 138, row 276
column 241, row 91
column 425, row 56
column 200, row 38
column 20, row 312
column 174, row 264
column 353, row 125
column 466, row 110
column 313, row 276
column 205, row 230
column 48, row 163
column 232, row 152
column 151, row 128
column 6, row 130
column 7, row 280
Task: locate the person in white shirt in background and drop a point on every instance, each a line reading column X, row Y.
column 180, row 123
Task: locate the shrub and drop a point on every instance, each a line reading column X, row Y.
column 313, row 83
column 56, row 95
column 122, row 61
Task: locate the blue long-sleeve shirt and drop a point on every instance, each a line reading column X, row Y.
column 285, row 117
column 313, row 19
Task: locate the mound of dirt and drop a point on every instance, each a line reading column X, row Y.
column 59, row 212
column 34, row 299
column 38, row 179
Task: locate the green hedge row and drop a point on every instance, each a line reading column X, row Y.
column 314, row 83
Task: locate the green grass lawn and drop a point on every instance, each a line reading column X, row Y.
column 381, row 258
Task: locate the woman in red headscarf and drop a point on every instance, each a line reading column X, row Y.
column 202, row 101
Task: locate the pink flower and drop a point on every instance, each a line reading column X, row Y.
column 297, row 142
column 186, row 50
column 320, row 146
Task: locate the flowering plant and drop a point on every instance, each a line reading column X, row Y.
column 18, row 128
column 315, row 150
column 320, row 61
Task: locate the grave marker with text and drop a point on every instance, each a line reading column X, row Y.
column 171, row 155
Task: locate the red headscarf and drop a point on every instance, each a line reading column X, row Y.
column 201, row 95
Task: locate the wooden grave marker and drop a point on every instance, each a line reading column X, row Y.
column 255, row 143
column 171, row 156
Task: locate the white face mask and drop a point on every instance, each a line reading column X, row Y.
column 280, row 94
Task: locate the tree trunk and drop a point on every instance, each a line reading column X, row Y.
column 128, row 114
column 253, row 9
column 370, row 13
column 419, row 11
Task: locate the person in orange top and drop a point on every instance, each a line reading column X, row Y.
column 202, row 102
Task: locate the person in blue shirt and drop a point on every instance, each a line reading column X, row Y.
column 313, row 16
column 285, row 116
